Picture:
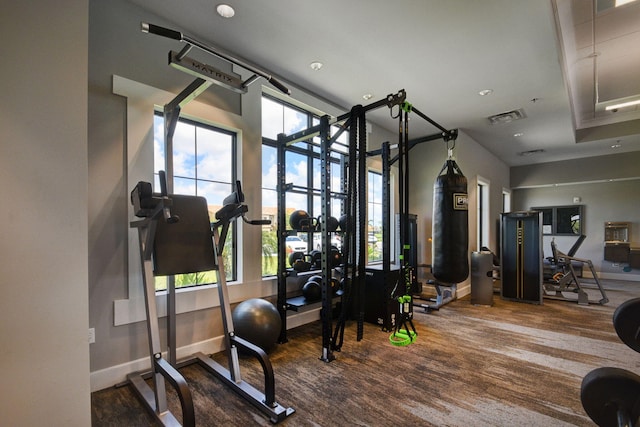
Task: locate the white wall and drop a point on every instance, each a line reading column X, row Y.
column 44, row 356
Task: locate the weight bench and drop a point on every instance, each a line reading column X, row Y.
column 565, row 280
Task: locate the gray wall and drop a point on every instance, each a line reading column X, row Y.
column 426, row 161
column 608, row 187
column 44, row 356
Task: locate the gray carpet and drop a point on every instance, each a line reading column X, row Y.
column 509, row 364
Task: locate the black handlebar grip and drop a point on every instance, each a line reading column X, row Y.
column 160, row 31
column 163, row 183
column 280, row 86
column 260, row 222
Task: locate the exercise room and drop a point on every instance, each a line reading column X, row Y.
column 321, row 213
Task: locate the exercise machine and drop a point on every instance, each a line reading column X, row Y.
column 176, row 236
column 566, row 281
column 521, row 256
column 611, row 396
column 550, row 265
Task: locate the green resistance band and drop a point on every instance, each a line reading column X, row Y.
column 402, row 337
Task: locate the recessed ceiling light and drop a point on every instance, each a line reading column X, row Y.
column 621, row 2
column 225, row 10
column 623, row 104
column 316, row 65
column 518, row 135
column 367, row 96
column 485, row 92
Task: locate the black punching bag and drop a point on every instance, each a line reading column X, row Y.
column 450, row 225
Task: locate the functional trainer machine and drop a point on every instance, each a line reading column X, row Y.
column 176, row 237
column 521, row 256
column 354, row 207
column 565, row 280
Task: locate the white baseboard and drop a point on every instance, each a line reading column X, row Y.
column 115, row 375
column 463, row 290
column 615, row 276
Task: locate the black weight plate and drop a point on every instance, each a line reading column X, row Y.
column 605, row 391
column 626, row 320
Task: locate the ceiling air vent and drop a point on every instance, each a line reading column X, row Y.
column 531, row 152
column 507, row 117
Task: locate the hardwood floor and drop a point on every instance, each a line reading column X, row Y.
column 509, row 364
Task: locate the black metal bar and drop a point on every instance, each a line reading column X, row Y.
column 425, row 117
column 362, row 228
column 386, row 211
column 405, row 219
column 176, row 35
column 325, row 211
column 453, row 133
column 281, row 231
column 390, row 101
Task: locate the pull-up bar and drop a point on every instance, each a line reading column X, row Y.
column 195, row 67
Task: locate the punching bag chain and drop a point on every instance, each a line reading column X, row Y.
column 450, row 147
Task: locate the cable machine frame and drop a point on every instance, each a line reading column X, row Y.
column 354, row 244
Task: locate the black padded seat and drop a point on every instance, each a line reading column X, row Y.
column 185, row 246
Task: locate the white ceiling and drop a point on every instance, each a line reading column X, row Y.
column 536, row 55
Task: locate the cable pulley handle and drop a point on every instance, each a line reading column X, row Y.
column 177, row 35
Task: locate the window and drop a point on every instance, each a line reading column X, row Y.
column 374, row 212
column 562, row 220
column 483, row 214
column 506, row 201
column 204, row 159
column 302, row 166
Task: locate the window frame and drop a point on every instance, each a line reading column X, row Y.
column 312, row 154
column 483, row 201
column 141, row 102
column 372, row 247
column 232, row 236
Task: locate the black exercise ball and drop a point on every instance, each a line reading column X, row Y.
column 257, row 321
column 312, row 291
column 332, row 223
column 300, row 220
column 342, row 222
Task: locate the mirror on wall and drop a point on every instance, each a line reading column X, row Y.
column 562, row 220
